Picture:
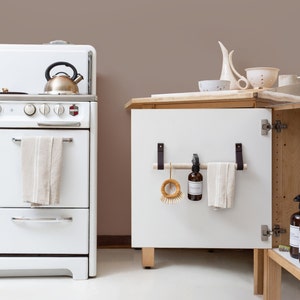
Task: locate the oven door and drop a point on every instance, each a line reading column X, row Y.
column 74, row 188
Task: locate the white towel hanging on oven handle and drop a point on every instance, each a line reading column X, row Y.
column 41, row 169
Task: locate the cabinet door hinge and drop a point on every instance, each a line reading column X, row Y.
column 266, row 126
column 266, row 232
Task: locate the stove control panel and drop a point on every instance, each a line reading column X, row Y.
column 44, row 109
column 32, row 114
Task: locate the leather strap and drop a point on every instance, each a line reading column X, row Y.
column 160, row 156
column 239, row 156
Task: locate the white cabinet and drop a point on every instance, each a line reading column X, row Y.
column 212, row 134
column 264, row 192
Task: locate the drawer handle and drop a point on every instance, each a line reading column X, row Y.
column 42, row 220
column 62, row 123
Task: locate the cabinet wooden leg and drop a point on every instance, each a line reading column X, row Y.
column 258, row 271
column 272, row 279
column 148, row 257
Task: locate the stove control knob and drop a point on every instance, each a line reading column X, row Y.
column 59, row 109
column 44, row 109
column 73, row 110
column 29, row 109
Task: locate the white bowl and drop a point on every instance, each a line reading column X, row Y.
column 213, row 85
column 262, row 77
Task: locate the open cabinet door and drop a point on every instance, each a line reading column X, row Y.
column 212, row 134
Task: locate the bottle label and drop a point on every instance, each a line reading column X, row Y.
column 195, row 188
column 294, row 236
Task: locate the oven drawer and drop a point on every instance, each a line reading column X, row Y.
column 44, row 231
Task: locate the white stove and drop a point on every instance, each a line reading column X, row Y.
column 56, row 239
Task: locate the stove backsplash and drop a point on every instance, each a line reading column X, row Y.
column 23, row 67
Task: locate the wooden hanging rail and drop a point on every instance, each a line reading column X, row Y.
column 188, row 166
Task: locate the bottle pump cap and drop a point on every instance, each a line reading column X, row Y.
column 196, row 163
column 297, row 199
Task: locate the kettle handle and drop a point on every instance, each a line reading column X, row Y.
column 61, row 63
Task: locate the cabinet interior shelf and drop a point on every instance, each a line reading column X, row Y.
column 284, row 259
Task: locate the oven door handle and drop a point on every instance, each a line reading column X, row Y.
column 65, row 140
column 59, row 124
column 43, row 220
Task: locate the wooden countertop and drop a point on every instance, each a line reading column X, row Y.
column 221, row 99
column 281, row 101
column 193, row 99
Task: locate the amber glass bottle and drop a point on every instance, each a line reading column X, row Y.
column 195, row 180
column 294, row 231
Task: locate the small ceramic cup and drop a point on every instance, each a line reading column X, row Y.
column 288, row 79
column 213, row 85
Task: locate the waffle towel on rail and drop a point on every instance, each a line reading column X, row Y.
column 220, row 184
column 41, row 169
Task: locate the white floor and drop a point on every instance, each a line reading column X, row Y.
column 178, row 274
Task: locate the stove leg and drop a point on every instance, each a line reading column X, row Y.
column 148, row 257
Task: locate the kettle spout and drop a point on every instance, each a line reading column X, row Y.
column 78, row 78
column 223, row 49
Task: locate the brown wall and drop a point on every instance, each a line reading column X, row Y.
column 153, row 46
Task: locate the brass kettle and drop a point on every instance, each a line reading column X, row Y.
column 61, row 83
